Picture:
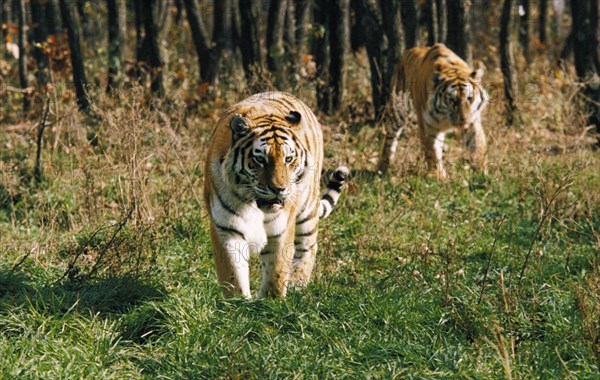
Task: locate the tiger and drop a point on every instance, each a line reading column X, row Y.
column 261, row 188
column 446, row 94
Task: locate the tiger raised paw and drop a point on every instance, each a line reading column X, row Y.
column 262, row 190
column 446, row 94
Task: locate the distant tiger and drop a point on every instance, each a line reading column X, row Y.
column 446, row 94
column 262, row 191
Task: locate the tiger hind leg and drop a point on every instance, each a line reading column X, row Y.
column 402, row 113
column 476, row 142
column 305, row 248
column 393, row 132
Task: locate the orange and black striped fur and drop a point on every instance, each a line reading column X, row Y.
column 262, row 191
column 446, row 94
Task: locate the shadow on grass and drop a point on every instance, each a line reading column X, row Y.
column 126, row 297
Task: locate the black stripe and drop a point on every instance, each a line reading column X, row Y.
column 276, row 235
column 230, row 230
column 329, row 199
column 292, row 105
column 335, row 186
column 310, row 216
column 480, row 103
column 224, row 204
column 309, row 233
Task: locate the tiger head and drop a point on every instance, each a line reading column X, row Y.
column 267, row 158
column 459, row 94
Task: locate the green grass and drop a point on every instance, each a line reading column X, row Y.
column 396, row 293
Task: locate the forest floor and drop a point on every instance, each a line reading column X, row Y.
column 106, row 268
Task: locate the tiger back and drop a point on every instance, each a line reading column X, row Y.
column 446, row 94
column 262, row 187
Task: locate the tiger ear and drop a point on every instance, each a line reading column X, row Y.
column 239, row 126
column 477, row 73
column 294, row 117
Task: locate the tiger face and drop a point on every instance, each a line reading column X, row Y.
column 274, row 163
column 458, row 97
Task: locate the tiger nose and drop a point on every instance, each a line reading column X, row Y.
column 277, row 189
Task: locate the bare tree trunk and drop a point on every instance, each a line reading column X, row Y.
column 375, row 42
column 410, row 22
column 567, row 50
column 40, row 34
column 289, row 40
column 178, row 11
column 152, row 18
column 73, row 31
column 587, row 60
column 339, row 38
column 543, row 20
column 275, row 28
column 208, row 57
column 23, row 54
column 54, row 20
column 459, row 30
column 250, row 42
column 442, row 19
column 222, row 27
column 524, row 29
column 302, row 9
column 2, row 15
column 82, row 16
column 507, row 62
column 392, row 28
column 320, row 51
column 117, row 34
column 430, row 10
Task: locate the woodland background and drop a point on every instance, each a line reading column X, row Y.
column 105, row 260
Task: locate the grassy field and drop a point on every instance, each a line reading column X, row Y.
column 106, row 268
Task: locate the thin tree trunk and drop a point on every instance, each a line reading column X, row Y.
column 431, row 15
column 155, row 59
column 22, row 40
column 567, row 51
column 178, row 11
column 222, row 27
column 73, row 31
column 289, row 40
column 302, row 8
column 543, row 20
column 320, row 51
column 40, row 35
column 587, row 60
column 55, row 22
column 117, row 34
column 140, row 14
column 152, row 18
column 442, row 19
column 459, row 30
column 375, row 41
column 507, row 62
column 392, row 27
column 339, row 38
column 208, row 58
column 410, row 23
column 250, row 42
column 524, row 29
column 1, row 23
column 275, row 29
